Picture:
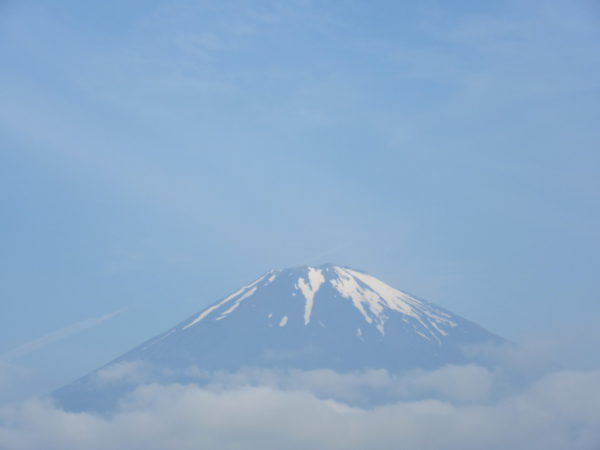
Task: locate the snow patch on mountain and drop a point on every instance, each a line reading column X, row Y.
column 373, row 299
column 309, row 289
column 237, row 293
column 237, row 303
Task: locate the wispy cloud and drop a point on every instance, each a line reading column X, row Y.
column 57, row 336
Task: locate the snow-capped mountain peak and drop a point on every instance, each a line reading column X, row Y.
column 325, row 317
column 371, row 297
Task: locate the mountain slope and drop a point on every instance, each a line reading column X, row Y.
column 308, row 318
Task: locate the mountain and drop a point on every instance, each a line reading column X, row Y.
column 329, row 316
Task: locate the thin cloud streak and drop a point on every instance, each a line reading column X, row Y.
column 57, row 336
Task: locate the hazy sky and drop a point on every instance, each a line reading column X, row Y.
column 156, row 155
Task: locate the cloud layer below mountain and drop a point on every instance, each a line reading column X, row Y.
column 457, row 407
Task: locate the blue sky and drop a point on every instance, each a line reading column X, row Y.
column 156, row 155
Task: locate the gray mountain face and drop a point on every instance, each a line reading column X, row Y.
column 329, row 317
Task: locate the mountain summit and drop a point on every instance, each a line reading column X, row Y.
column 308, row 317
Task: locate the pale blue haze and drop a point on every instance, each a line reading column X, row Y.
column 156, row 155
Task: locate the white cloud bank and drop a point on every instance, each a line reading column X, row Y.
column 561, row 410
